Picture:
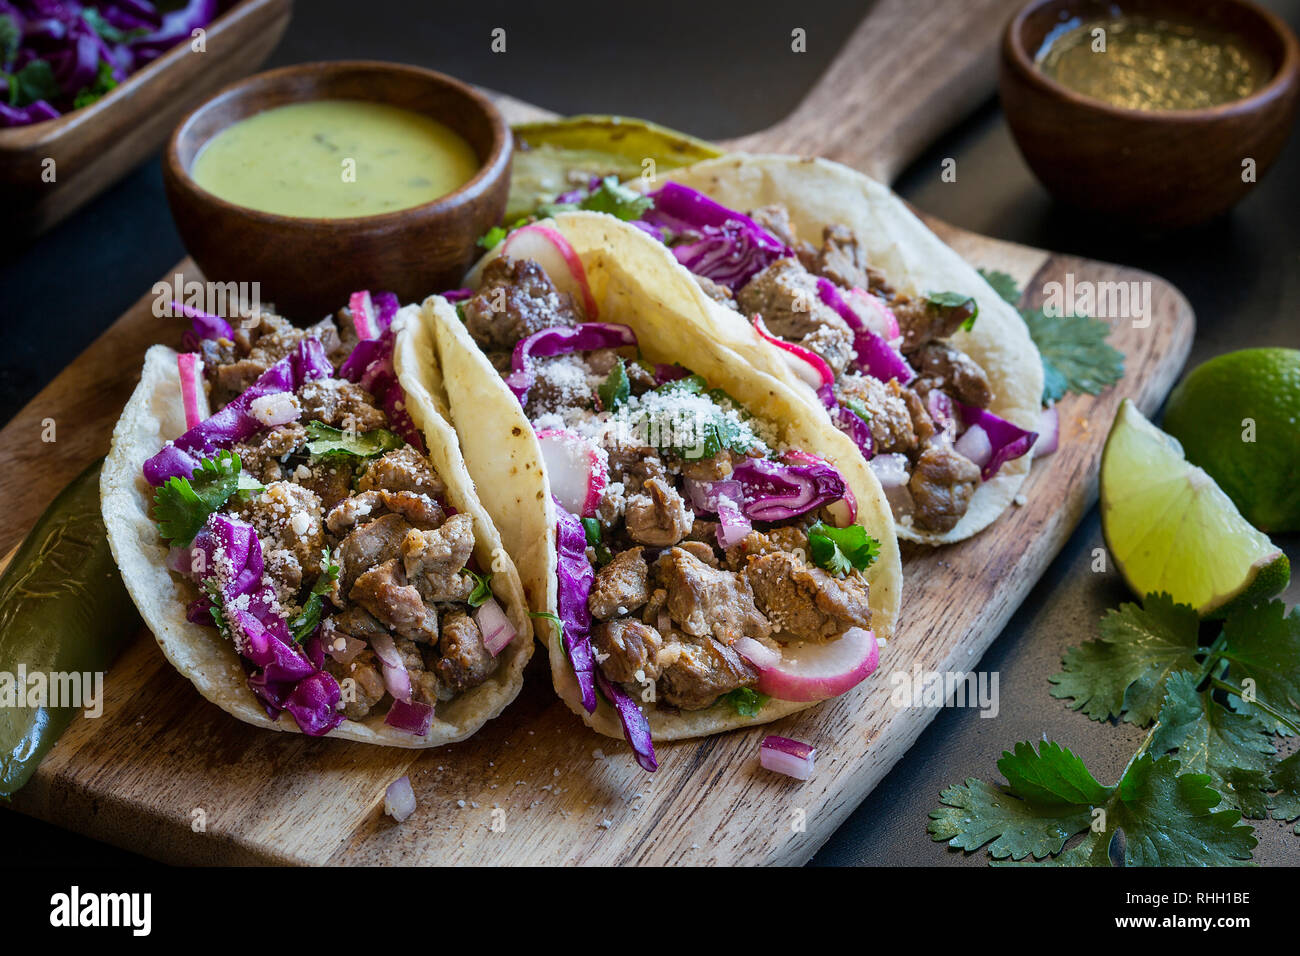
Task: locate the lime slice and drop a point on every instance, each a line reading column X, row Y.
column 1170, row 528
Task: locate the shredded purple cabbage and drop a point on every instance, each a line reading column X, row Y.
column 235, row 422
column 88, row 48
column 561, row 340
column 876, row 356
column 1009, row 440
column 457, row 295
column 575, row 580
column 774, row 491
column 370, row 364
column 281, row 674
column 716, row 242
column 636, row 729
column 203, row 326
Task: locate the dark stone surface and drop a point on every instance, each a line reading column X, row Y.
column 716, row 71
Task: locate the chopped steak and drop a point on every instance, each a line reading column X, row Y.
column 371, row 544
column 942, row 485
column 922, row 423
column 358, row 622
column 765, row 542
column 260, row 340
column 330, row 478
column 921, row 322
column 340, row 404
column 287, row 519
column 515, row 300
column 658, row 516
column 890, row 421
column 841, row 260
column 386, row 594
column 776, row 220
column 715, row 291
column 703, row 672
column 707, row 469
column 704, row 600
column 785, row 295
column 942, row 366
column 626, row 646
column 804, row 601
column 420, row 510
column 703, row 551
column 560, row 382
column 620, row 586
column 360, row 683
column 263, row 454
column 403, row 469
column 433, row 560
column 631, row 464
column 465, row 662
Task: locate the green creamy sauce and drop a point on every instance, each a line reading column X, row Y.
column 1153, row 64
column 334, row 159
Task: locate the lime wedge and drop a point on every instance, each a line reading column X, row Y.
column 1170, row 528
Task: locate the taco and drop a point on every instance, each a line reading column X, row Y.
column 312, row 556
column 706, row 554
column 825, row 279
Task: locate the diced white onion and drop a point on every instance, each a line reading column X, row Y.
column 494, row 625
column 399, row 799
column 975, row 445
column 278, row 408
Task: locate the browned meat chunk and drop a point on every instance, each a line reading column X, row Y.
column 785, row 295
column 787, row 538
column 703, row 672
column 287, row 518
column 922, row 423
column 633, row 464
column 465, row 662
column 658, row 516
column 263, row 454
column 625, row 647
column 942, row 484
column 804, row 601
column 776, row 220
column 340, row 404
column 358, row 622
column 330, row 478
column 620, row 586
column 890, row 421
column 560, row 383
column 942, row 366
column 403, row 469
column 922, row 321
column 841, row 260
column 707, row 469
column 434, row 560
column 718, row 293
column 420, row 510
column 260, row 340
column 704, row 600
column 360, row 684
column 516, row 299
column 369, row 545
column 385, row 592
column 703, row 551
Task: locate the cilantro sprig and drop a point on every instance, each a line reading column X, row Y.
column 1076, row 356
column 325, row 441
column 616, row 388
column 308, row 618
column 182, row 505
column 745, row 701
column 841, row 550
column 955, row 301
column 482, row 588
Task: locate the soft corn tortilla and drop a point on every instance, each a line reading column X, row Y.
column 154, row 415
column 819, row 193
column 639, row 284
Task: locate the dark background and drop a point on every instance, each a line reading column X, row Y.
column 717, row 71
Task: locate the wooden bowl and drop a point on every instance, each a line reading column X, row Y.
column 307, row 267
column 1153, row 168
column 95, row 146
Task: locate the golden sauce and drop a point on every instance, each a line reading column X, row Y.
column 1153, row 64
column 334, row 159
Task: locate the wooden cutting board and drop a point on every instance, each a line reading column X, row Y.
column 164, row 773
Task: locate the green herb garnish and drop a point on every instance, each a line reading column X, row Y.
column 955, row 301
column 593, row 531
column 857, row 407
column 104, row 81
column 305, row 623
column 745, row 701
column 616, row 388
column 182, row 505
column 33, row 82
column 841, row 550
column 482, row 588
column 492, row 238
column 324, row 441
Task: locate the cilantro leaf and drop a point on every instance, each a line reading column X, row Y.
column 1232, row 749
column 857, row 407
column 1124, row 672
column 182, row 505
column 492, row 238
column 555, row 621
column 1262, row 645
column 10, row 38
column 616, row 388
column 1286, row 780
column 33, row 82
column 592, row 528
column 324, row 441
column 213, row 591
column 841, row 550
column 955, row 301
column 305, row 623
column 617, row 200
column 1003, row 284
column 104, row 81
column 1076, row 355
column 482, row 588
column 1167, row 817
column 745, row 701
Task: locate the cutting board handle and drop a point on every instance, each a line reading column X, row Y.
column 910, row 71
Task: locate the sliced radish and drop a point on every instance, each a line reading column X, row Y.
column 363, row 315
column 806, row 363
column 878, row 317
column 550, row 250
column 190, row 367
column 975, row 445
column 794, row 758
column 1049, row 432
column 578, row 470
column 496, row 628
column 809, row 671
column 756, row 652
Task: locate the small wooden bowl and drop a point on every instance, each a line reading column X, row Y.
column 95, row 146
column 307, row 267
column 1153, row 168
